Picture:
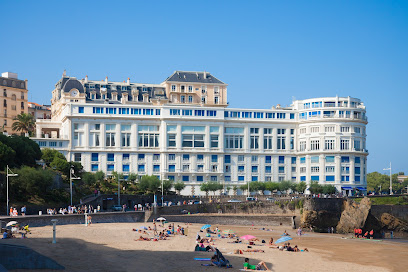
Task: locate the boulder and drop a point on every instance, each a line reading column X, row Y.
column 354, row 215
column 390, row 222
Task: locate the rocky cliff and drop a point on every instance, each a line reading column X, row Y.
column 354, row 215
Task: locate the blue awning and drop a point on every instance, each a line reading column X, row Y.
column 361, row 188
column 347, row 188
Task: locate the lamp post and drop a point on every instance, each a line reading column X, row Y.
column 391, row 193
column 9, row 175
column 119, row 180
column 71, row 177
column 248, row 188
column 162, row 192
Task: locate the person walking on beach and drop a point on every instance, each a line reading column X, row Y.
column 23, row 210
column 154, row 229
column 259, row 266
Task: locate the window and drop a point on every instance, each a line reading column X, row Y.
column 292, row 116
column 125, row 168
column 357, row 145
column 345, row 178
column 53, row 144
column 172, row 157
column 173, row 88
column 187, row 112
column 211, row 113
column 213, row 178
column 170, row 178
column 254, row 178
column 182, row 98
column 330, row 169
column 345, row 129
column 314, row 169
column 268, row 159
column 141, row 168
column 302, row 145
column 314, row 129
column 314, row 159
column 125, row 135
column 110, row 134
column 214, row 168
column 345, row 169
column 186, row 157
column 293, row 160
column 292, row 143
column 281, row 169
column 241, row 168
column 200, row 158
column 254, row 159
column 214, row 141
column 111, row 157
column 302, row 131
column 345, row 159
column 270, row 115
column 193, row 136
column 303, row 160
column 227, row 178
column 234, row 141
column 190, row 99
column 227, row 168
column 200, row 178
column 357, row 130
column 172, row 168
column 281, row 142
column 302, row 169
column 94, row 167
column 77, row 157
column 357, row 160
column 329, row 129
column 125, row 157
column 148, row 136
column 268, row 169
column 344, row 144
column 281, row 159
column 280, row 115
column 314, row 144
column 80, row 109
column 216, row 100
column 214, row 158
column 227, row 159
column 314, row 178
column 174, row 112
column 316, row 104
column 357, row 170
column 156, row 168
column 254, row 138
column 254, row 169
column 186, row 178
column 190, row 89
column 241, row 178
column 293, row 169
column 329, row 178
column 171, row 140
column 110, row 167
column 329, row 159
column 241, row 158
column 357, row 178
column 200, row 168
column 94, row 157
column 329, row 144
column 199, row 112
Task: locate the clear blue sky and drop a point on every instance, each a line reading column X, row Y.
column 267, row 51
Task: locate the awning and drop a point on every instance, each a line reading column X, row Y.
column 347, row 188
column 361, row 188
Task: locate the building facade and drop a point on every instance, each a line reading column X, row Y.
column 39, row 111
column 14, row 100
column 152, row 130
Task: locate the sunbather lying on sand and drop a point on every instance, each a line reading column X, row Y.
column 141, row 238
column 254, row 250
column 259, row 266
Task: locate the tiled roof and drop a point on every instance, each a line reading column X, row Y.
column 194, row 77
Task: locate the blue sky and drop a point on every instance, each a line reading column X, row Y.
column 267, row 51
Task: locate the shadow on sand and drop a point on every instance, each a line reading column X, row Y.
column 78, row 255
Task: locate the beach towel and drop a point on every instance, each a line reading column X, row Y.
column 202, row 259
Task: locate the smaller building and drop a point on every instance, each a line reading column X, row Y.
column 13, row 102
column 39, row 111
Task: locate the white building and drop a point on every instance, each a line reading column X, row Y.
column 158, row 130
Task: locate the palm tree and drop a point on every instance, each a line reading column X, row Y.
column 24, row 122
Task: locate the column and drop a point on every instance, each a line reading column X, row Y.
column 337, row 169
column 322, row 169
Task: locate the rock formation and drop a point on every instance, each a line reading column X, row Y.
column 354, row 215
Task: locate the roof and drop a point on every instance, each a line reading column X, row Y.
column 73, row 83
column 196, row 77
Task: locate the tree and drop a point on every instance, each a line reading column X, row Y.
column 315, row 188
column 48, row 155
column 329, row 189
column 301, row 187
column 244, row 187
column 214, row 186
column 24, row 122
column 7, row 155
column 179, row 186
column 271, row 186
column 27, row 151
column 205, row 188
column 149, row 184
column 167, row 185
column 256, row 186
column 284, row 185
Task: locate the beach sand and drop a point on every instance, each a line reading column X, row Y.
column 111, row 247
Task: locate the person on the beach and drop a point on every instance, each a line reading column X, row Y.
column 371, row 234
column 154, row 229
column 271, row 242
column 259, row 266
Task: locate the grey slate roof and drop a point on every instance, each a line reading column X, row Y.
column 9, row 82
column 194, row 77
column 73, row 83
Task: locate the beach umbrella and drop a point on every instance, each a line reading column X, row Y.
column 11, row 223
column 229, row 231
column 161, row 219
column 206, row 227
column 248, row 237
column 283, row 239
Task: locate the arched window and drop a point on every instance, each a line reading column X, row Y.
column 13, row 97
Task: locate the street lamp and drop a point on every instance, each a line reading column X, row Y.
column 9, row 175
column 71, row 177
column 391, row 193
column 248, row 188
column 119, row 180
column 162, row 192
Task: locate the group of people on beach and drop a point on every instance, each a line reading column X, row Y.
column 14, row 212
column 358, row 233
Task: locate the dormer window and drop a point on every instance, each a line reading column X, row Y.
column 91, row 86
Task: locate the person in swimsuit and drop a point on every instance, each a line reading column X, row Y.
column 259, row 266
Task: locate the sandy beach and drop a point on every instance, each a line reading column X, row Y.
column 112, row 247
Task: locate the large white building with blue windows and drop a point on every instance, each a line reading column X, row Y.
column 183, row 130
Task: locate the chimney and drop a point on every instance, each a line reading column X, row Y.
column 86, row 79
column 205, row 75
column 106, row 80
column 128, row 81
